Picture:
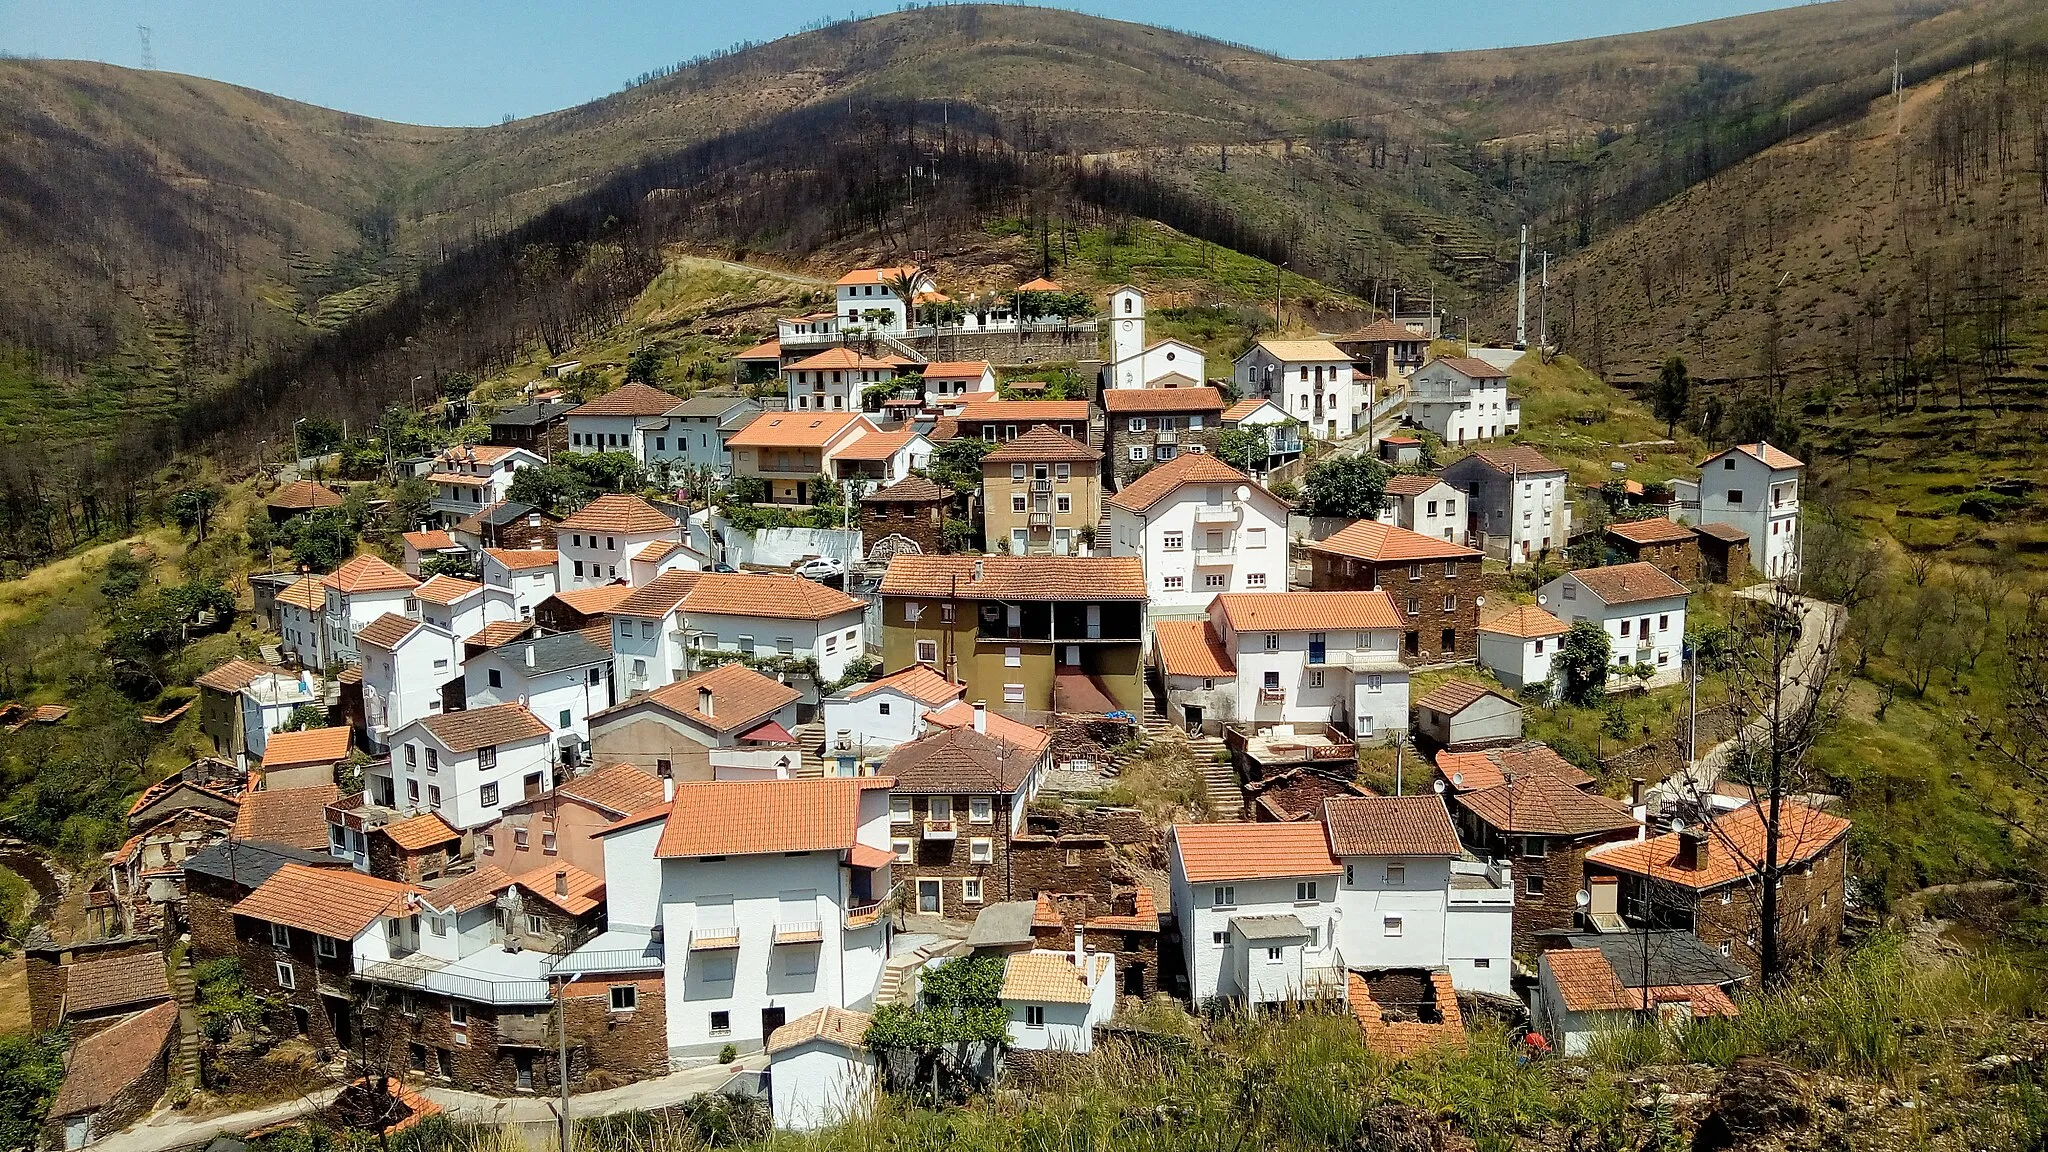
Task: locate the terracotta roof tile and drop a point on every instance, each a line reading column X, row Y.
column 601, row 600
column 1410, row 484
column 367, row 573
column 1585, row 979
column 522, row 559
column 498, row 633
column 1390, row 826
column 1243, row 408
column 1386, row 543
column 876, row 445
column 232, row 676
column 107, row 1062
column 475, row 728
column 766, row 350
column 920, row 682
column 1726, row 532
column 1471, row 771
column 958, row 761
column 1735, row 846
column 1539, row 804
column 1454, row 696
column 658, row 550
column 1472, row 366
column 308, row 592
column 619, row 513
column 337, row 902
column 982, row 411
column 1031, row 742
column 620, row 789
column 795, row 429
column 1630, row 583
column 1045, row 978
column 1769, row 456
column 294, row 817
column 1525, row 621
column 421, row 832
column 955, row 369
column 1187, row 468
column 446, row 590
column 740, row 697
column 1650, row 530
column 1309, row 611
column 565, row 886
column 1039, row 284
column 1017, row 577
column 912, row 489
column 311, row 746
column 428, row 541
column 1191, row 648
column 1517, row 459
column 832, row 1024
column 635, row 399
column 1041, row 443
column 876, row 275
column 305, row 495
column 774, row 596
column 1304, row 351
column 1253, row 851
column 759, row 817
column 387, row 631
column 115, row 982
column 469, row 890
column 1128, row 401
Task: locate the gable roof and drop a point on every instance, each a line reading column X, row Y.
column 1191, row 648
column 794, row 429
column 296, row 817
column 308, row 592
column 418, row 833
column 956, row 369
column 496, row 634
column 1124, row 401
column 1246, row 407
column 475, row 728
column 387, row 631
column 635, row 399
column 1412, row 484
column 1516, row 460
column 1382, row 330
column 1472, row 771
column 912, row 489
column 1539, row 804
column 522, row 559
column 336, row 902
column 621, row 513
column 877, row 275
column 308, row 746
column 620, row 789
column 839, row 357
column 920, row 682
column 1770, row 457
column 367, row 573
column 1187, row 468
column 1030, row 741
column 1386, row 543
column 1526, row 621
column 958, row 761
column 740, row 697
column 434, row 541
column 1017, row 577
column 1650, row 530
column 1588, row 982
column 249, row 863
column 1736, row 841
column 1309, row 611
column 877, row 445
column 578, row 892
column 759, row 817
column 1056, row 411
column 782, row 597
column 113, row 1059
column 1304, row 351
column 305, row 495
column 553, row 653
column 472, row 889
column 1471, row 366
column 1211, row 852
column 231, row 676
column 446, row 589
column 115, row 982
column 841, row 1027
column 1041, row 443
column 1629, row 583
column 1728, row 533
column 1389, row 826
column 1046, row 978
column 1454, row 696
column 602, row 599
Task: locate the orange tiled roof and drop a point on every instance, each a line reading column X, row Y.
column 876, row 445
column 1385, row 543
column 911, row 489
column 1539, row 804
column 1187, row 468
column 1735, row 846
column 1017, row 577
column 387, row 631
column 1030, row 741
column 109, row 1061
column 766, row 350
column 842, row 1027
column 1039, row 284
column 1309, row 611
column 657, row 550
column 421, row 832
column 1471, row 771
column 1411, row 484
column 618, row 512
column 565, row 886
column 476, row 453
column 1650, row 530
column 1517, row 459
column 1630, row 583
column 1040, row 443
column 1389, row 826
column 293, row 816
column 1253, row 851
column 1454, row 696
column 1526, row 621
column 232, row 676
column 955, row 369
column 600, row 600
column 498, row 633
column 311, row 746
column 476, row 728
column 958, row 761
column 920, row 682
column 759, row 817
column 1244, row 408
column 1769, row 456
column 470, row 890
column 1046, row 978
column 635, row 399
column 114, row 982
column 762, row 594
column 740, row 697
column 841, row 357
column 367, row 573
column 1056, row 411
column 1144, row 915
column 307, row 592
column 521, row 559
column 1124, row 401
column 1191, row 648
column 1588, row 983
column 1304, row 351
column 304, row 495
column 620, row 789
column 875, row 275
column 794, row 429
column 337, row 902
column 428, row 541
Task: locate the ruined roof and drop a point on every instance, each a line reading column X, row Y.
column 1539, row 804
column 107, row 1062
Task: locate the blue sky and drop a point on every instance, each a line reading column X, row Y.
column 471, row 61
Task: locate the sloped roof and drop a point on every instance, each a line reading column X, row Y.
column 766, row 350
column 1650, row 530
column 470, row 890
column 1472, row 366
column 1676, row 957
column 107, row 1062
column 1387, row 543
column 1309, row 611
column 621, row 789
column 1472, row 771
column 475, row 728
column 1454, row 696
column 1039, row 284
column 758, row 817
column 769, row 595
column 1030, row 741
column 296, row 817
column 920, row 682
column 794, row 429
column 1045, row 978
column 1245, row 407
column 1588, row 982
column 1725, row 532
column 336, row 902
column 497, row 634
column 308, row 592
column 840, row 357
column 521, row 559
column 1389, row 826
column 1128, row 401
column 1525, row 621
column 231, row 676
column 1516, row 459
column 876, row 275
column 955, row 369
column 1017, row 577
column 620, row 513
column 1770, row 457
column 912, row 489
column 876, row 445
column 554, row 653
column 1411, row 484
column 367, row 573
column 115, row 982
column 1040, row 443
column 600, row 600
column 740, row 697
column 1191, row 648
column 958, row 761
column 1211, row 852
column 1056, row 411
column 250, row 863
column 1630, row 583
column 446, row 589
column 1735, row 843
column 1304, row 351
column 635, row 399
column 310, row 746
column 1539, row 804
column 387, row 631
column 418, row 833
column 304, row 495
column 565, row 886
column 841, row 1027
column 1187, row 468
column 428, row 541
column 1382, row 331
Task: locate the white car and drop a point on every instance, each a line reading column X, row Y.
column 819, row 567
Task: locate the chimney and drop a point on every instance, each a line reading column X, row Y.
column 1692, row 848
column 561, row 881
column 1080, row 949
column 1635, row 791
column 980, row 716
column 704, row 702
column 529, row 655
column 668, row 789
column 977, row 568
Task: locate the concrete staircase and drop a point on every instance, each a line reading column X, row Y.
column 899, row 973
column 1212, row 759
column 811, row 737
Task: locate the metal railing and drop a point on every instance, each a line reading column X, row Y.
column 435, row 979
column 1211, row 513
column 610, row 960
column 1041, row 520
column 1041, row 485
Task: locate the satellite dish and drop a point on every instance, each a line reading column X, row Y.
column 1458, row 778
column 1244, row 491
column 1583, row 898
column 1678, row 825
column 1439, row 786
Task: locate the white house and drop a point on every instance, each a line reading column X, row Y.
column 267, row 702
column 598, row 541
column 1289, row 658
column 1282, row 432
column 1136, row 364
column 662, row 556
column 1517, row 503
column 1641, row 607
column 767, row 896
column 1427, row 505
column 421, row 547
column 460, row 607
column 467, row 477
column 944, row 379
column 611, row 422
column 406, row 662
column 692, row 433
column 1754, row 487
column 864, row 293
column 1312, row 380
column 820, row 1071
column 1055, row 999
column 1582, row 992
column 357, row 593
column 1202, row 528
column 1463, row 399
column 1256, row 904
column 466, row 766
column 524, row 576
column 1517, row 645
column 672, row 732
column 868, row 719
column 833, row 380
column 302, row 621
column 564, row 679
column 656, row 630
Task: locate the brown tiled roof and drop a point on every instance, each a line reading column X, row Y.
column 758, row 817
column 308, row 592
column 920, row 682
column 766, row 350
column 598, row 634
column 292, row 816
column 659, row 596
column 1526, row 621
column 428, row 541
column 477, row 453
column 1253, row 851
column 1386, row 543
column 1629, row 583
column 1473, row 366
column 1411, row 484
column 912, row 489
column 658, row 550
column 1191, row 648
column 1187, row 468
column 1727, row 532
column 1041, row 443
column 336, row 902
column 1390, row 826
column 109, row 1061
column 1309, row 611
column 1454, row 696
column 1650, row 530
column 521, row 559
column 1769, row 456
column 446, row 589
column 740, row 697
column 1129, row 401
column 311, row 746
column 421, row 832
column 955, row 369
column 115, row 982
column 1039, row 284
column 232, row 676
column 1381, row 331
column 1046, row 978
column 1029, row 741
column 1517, row 459
column 475, row 728
column 635, row 399
column 1244, row 408
column 779, row 597
column 875, row 275
column 1539, row 804
column 620, row 513
column 1000, row 411
column 840, row 357
column 621, row 789
column 1017, row 577
column 1588, row 982
column 1471, row 771
column 386, row 631
column 470, row 890
column 958, row 761
column 367, row 573
column 578, row 891
column 304, row 495
column 794, row 429
column 1735, row 846
column 602, row 599
column 831, row 1024
column 497, row 633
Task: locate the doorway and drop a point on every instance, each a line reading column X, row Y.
column 928, row 901
column 771, row 1019
column 1194, row 718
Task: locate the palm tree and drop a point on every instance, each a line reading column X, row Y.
column 902, row 284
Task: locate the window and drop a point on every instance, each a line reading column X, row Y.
column 1725, row 950
column 1735, row 495
column 1390, row 926
column 1373, row 681
column 1064, row 503
column 412, row 756
column 927, row 651
column 326, row 946
column 1664, row 623
column 1272, row 641
column 1173, row 541
column 1415, row 605
column 1017, row 502
column 1450, row 603
column 721, row 1023
column 1624, row 628
column 519, row 838
column 286, row 977
column 1034, row 1016
column 912, row 611
column 1255, row 579
column 490, row 841
column 437, row 925
column 280, row 936
column 433, row 795
column 1415, row 571
column 1482, row 962
column 1216, row 580
column 1013, row 657
column 562, row 719
column 1315, row 937
column 1535, row 846
column 1571, row 591
column 1174, row 583
column 535, row 926
column 970, row 890
column 1137, row 451
column 1137, row 424
column 1063, row 471
column 902, row 850
column 1219, row 939
column 1397, row 875
column 496, row 680
column 1016, row 471
column 1013, row 693
column 433, row 759
column 1272, row 955
column 980, row 809
column 1533, row 885
column 1272, row 679
column 899, row 809
column 1225, row 896
column 1306, row 890
column 416, row 1055
column 1315, row 678
column 547, row 843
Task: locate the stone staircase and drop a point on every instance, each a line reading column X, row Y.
column 899, row 973
column 1212, row 759
column 185, row 988
column 811, row 738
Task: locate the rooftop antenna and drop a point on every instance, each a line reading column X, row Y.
column 1522, row 294
column 148, row 54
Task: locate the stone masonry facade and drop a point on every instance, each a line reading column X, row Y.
column 1438, row 600
column 952, row 862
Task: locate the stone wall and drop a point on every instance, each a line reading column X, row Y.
column 47, row 963
column 131, row 1103
column 950, row 861
column 924, row 524
column 1809, row 913
column 1419, row 591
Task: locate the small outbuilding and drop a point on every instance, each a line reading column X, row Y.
column 820, row 1071
column 1724, row 552
column 1463, row 715
column 1668, row 545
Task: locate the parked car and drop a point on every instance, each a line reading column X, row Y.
column 819, row 567
column 723, row 568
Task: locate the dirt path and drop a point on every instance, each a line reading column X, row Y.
column 13, row 994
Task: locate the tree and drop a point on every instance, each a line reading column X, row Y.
column 305, row 718
column 1581, row 664
column 902, row 284
column 461, row 567
column 644, row 366
column 956, row 463
column 548, row 487
column 1243, row 448
column 1673, row 395
column 31, row 1071
column 192, row 509
column 321, row 542
column 1354, row 487
column 939, row 1047
column 605, row 471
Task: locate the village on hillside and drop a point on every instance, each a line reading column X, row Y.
column 869, row 676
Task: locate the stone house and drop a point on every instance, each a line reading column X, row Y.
column 913, row 508
column 1517, row 502
column 1123, row 923
column 114, row 1077
column 1724, row 552
column 220, row 703
column 1147, row 426
column 505, row 524
column 219, row 877
column 1669, row 546
column 960, row 796
column 1435, row 584
column 299, row 936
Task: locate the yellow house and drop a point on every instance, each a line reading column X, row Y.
column 1041, row 494
column 788, row 450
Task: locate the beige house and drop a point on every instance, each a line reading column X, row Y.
column 787, row 451
column 670, row 733
column 1041, row 495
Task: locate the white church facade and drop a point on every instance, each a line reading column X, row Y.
column 1135, row 364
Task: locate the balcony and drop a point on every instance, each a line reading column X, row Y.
column 1041, row 519
column 1221, row 554
column 1273, row 695
column 714, row 939
column 1041, row 486
column 864, row 914
column 941, row 829
column 1166, row 436
column 1216, row 514
column 1367, row 659
column 799, row 932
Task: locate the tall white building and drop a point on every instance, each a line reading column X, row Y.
column 1639, row 605
column 406, row 663
column 863, row 295
column 1427, row 505
column 1136, row 364
column 1202, row 528
column 468, row 477
column 465, row 766
column 1463, row 399
column 357, row 593
column 563, row 679
column 1754, row 487
column 1518, row 503
column 1313, row 380
column 598, row 541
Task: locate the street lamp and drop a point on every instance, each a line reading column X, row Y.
column 416, row 390
column 297, row 452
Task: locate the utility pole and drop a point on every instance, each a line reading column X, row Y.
column 1276, row 299
column 1543, row 310
column 1522, row 294
column 148, row 53
column 562, row 1063
column 1898, row 95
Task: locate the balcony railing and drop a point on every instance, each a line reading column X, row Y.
column 1166, row 436
column 799, row 932
column 941, row 829
column 1041, row 519
column 1273, row 695
column 1041, row 485
column 714, row 939
column 1215, row 513
column 429, row 977
column 862, row 915
column 615, row 960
